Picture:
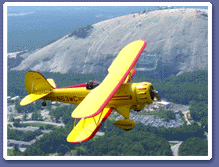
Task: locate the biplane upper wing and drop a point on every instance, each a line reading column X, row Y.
column 98, row 98
column 130, row 75
column 88, row 127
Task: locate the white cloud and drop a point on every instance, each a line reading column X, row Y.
column 19, row 14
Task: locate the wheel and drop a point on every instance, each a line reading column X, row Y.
column 44, row 103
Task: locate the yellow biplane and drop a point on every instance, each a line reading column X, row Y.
column 97, row 100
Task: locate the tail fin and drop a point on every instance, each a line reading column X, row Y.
column 37, row 86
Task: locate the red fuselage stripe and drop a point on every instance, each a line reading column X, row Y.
column 74, row 86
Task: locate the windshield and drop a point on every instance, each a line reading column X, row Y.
column 97, row 82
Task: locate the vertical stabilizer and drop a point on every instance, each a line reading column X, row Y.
column 37, row 86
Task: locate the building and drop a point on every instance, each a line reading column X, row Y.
column 15, row 98
column 164, row 104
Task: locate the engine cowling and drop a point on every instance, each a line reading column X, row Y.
column 143, row 95
column 142, row 91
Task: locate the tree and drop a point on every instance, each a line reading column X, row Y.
column 194, row 147
column 24, row 117
column 30, row 135
column 62, row 149
column 166, row 114
column 198, row 110
column 80, row 151
column 14, row 134
column 36, row 116
column 16, row 150
column 134, row 142
column 18, row 107
column 204, row 123
column 49, row 105
column 17, row 123
column 47, row 127
column 181, row 114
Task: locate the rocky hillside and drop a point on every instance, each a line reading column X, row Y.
column 177, row 42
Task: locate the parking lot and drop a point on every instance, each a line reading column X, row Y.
column 150, row 120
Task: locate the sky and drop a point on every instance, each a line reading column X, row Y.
column 16, row 9
column 32, row 27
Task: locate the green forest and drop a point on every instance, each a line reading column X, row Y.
column 166, row 114
column 21, row 136
column 199, row 113
column 141, row 140
column 189, row 88
column 179, row 89
column 194, row 147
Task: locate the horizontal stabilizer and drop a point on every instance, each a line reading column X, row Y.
column 33, row 97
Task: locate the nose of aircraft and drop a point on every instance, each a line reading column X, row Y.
column 154, row 93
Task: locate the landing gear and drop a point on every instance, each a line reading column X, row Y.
column 137, row 110
column 44, row 103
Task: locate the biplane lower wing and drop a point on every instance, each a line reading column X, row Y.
column 121, row 67
column 88, row 127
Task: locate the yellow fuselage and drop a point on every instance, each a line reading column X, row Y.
column 135, row 95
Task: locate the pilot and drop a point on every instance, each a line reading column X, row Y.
column 90, row 85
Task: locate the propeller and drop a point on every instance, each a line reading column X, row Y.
column 154, row 93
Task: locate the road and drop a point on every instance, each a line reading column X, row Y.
column 175, row 148
column 185, row 115
column 43, row 122
column 11, row 111
column 21, row 149
column 38, row 122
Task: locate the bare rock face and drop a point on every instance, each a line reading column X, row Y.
column 177, row 42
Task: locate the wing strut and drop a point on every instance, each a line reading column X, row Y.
column 87, row 128
column 118, row 72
